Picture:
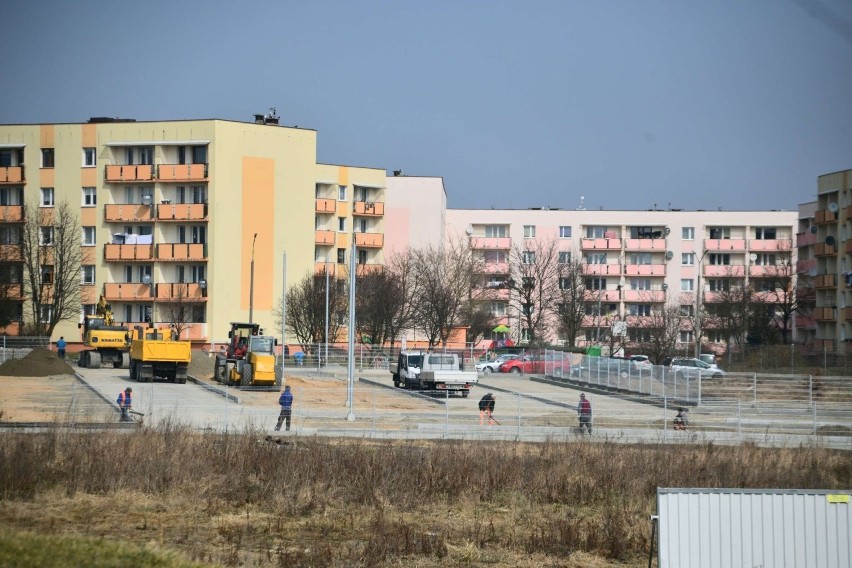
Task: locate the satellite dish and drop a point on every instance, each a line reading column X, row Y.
column 829, row 240
column 814, row 229
column 812, row 272
column 832, row 207
column 468, row 230
column 146, row 279
column 667, row 231
column 752, row 257
column 669, row 255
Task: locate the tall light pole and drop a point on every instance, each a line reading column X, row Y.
column 283, row 313
column 697, row 329
column 350, row 390
column 251, row 282
column 326, row 310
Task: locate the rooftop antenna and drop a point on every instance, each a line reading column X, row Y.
column 581, row 207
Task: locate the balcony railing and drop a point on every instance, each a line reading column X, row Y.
column 127, row 292
column 763, row 270
column 645, row 244
column 182, row 212
column 495, row 268
column 325, row 206
column 824, row 216
column 10, row 253
column 727, row 270
column 488, row 293
column 826, row 345
column 368, row 268
column 11, row 213
column 13, row 291
column 602, row 295
column 645, row 270
column 324, row 237
column 725, row 244
column 121, row 212
column 176, row 291
column 115, row 252
column 847, row 313
column 491, row 243
column 805, row 322
column 144, row 172
column 806, row 265
column 600, row 244
column 12, row 175
column 644, row 296
column 805, row 239
column 770, row 245
column 369, row 208
column 825, row 314
column 181, row 172
column 369, row 239
column 825, row 281
column 823, row 249
column 181, row 251
column 602, row 269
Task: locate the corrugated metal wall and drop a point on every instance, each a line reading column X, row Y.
column 726, row 528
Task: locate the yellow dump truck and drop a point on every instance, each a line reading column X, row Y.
column 158, row 354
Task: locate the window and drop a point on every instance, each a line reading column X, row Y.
column 564, row 283
column 90, row 309
column 47, row 274
column 497, row 308
column 686, row 336
column 687, row 259
column 764, row 285
column 199, row 154
column 639, row 309
column 564, row 257
column 89, row 159
column 146, row 155
column 528, row 257
column 639, row 335
column 564, row 232
column 361, row 225
column 640, row 258
column 362, row 256
column 494, row 256
column 720, row 259
column 596, row 258
column 595, row 283
column 360, row 193
column 45, row 236
column 720, row 232
column 528, row 282
column 688, row 233
column 527, row 308
column 765, row 233
column 640, row 283
column 765, row 259
column 47, row 197
column 88, row 236
column 341, row 256
column 716, row 336
column 687, row 284
column 90, row 197
column 341, row 193
column 496, row 231
column 595, row 232
column 719, row 284
column 47, row 157
column 687, row 310
column 10, row 234
column 341, row 224
column 645, row 233
column 87, row 274
column 529, row 231
column 44, row 312
column 11, row 196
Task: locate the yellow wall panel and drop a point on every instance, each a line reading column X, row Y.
column 90, row 135
column 258, row 203
column 88, row 216
column 89, row 177
column 47, row 136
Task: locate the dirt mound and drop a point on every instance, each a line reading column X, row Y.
column 39, row 362
column 201, row 366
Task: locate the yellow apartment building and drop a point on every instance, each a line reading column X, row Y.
column 174, row 212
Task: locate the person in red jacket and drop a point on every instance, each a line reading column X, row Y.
column 584, row 411
column 125, row 402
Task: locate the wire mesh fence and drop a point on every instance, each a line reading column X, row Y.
column 16, row 347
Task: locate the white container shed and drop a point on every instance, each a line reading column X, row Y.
column 754, row 528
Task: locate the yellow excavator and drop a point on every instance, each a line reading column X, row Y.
column 107, row 343
column 249, row 359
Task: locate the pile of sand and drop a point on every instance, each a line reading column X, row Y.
column 39, row 362
column 201, row 366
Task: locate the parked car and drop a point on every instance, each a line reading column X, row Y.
column 642, row 361
column 691, row 367
column 528, row 364
column 617, row 366
column 489, row 367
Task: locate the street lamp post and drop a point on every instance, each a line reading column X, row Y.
column 251, row 282
column 697, row 329
column 326, row 311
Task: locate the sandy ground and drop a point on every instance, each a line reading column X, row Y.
column 45, row 399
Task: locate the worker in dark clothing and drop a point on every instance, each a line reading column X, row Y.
column 286, row 402
column 681, row 421
column 486, row 408
column 60, row 347
column 584, row 411
column 125, row 403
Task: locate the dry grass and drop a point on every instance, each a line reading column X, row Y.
column 242, row 500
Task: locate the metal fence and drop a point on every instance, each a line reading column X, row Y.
column 16, row 347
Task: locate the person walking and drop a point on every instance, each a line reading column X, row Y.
column 125, row 403
column 681, row 421
column 286, row 402
column 486, row 408
column 60, row 347
column 584, row 411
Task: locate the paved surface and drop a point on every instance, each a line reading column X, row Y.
column 526, row 410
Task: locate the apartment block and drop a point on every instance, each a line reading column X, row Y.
column 178, row 213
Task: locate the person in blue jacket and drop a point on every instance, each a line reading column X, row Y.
column 60, row 347
column 286, row 402
column 125, row 403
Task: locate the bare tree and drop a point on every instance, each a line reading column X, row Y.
column 534, row 269
column 305, row 304
column 379, row 297
column 571, row 303
column 180, row 310
column 731, row 312
column 660, row 331
column 779, row 287
column 399, row 267
column 52, row 259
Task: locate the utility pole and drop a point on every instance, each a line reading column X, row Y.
column 251, row 282
column 698, row 310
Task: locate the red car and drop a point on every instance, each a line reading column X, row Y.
column 528, row 364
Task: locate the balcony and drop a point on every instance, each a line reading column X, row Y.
column 806, row 265
column 369, row 208
column 325, row 206
column 12, row 175
column 320, row 267
column 823, row 249
column 602, row 269
column 11, row 214
column 607, row 296
column 115, row 174
column 763, row 271
column 645, row 244
column 115, row 252
column 600, row 244
column 10, row 253
column 823, row 345
column 324, row 237
column 650, row 296
column 805, row 239
column 181, row 172
column 770, row 245
column 128, row 292
column 645, row 270
column 847, row 313
column 14, row 292
column 825, row 281
column 643, row 321
column 495, row 268
column 491, row 243
column 805, row 322
column 181, row 292
column 724, row 270
column 825, row 216
column 122, row 212
column 368, row 268
column 825, row 314
column 182, row 212
column 488, row 293
column 725, row 244
column 848, row 246
column 372, row 240
column 181, row 251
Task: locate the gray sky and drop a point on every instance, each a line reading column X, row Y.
column 731, row 104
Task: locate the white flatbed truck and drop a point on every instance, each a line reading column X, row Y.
column 432, row 372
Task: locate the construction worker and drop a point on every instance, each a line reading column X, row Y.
column 241, row 348
column 584, row 411
column 125, row 402
column 60, row 347
column 286, row 402
column 486, row 408
column 681, row 421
